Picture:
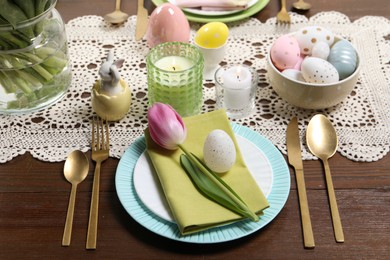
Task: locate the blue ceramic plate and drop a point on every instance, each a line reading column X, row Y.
column 143, row 215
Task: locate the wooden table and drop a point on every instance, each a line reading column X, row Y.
column 34, row 196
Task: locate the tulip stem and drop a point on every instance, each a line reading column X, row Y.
column 226, row 190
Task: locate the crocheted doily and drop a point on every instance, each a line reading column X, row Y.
column 362, row 120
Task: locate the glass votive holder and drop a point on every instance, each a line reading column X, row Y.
column 235, row 89
column 175, row 77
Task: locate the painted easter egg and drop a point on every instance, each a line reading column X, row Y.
column 219, row 151
column 212, row 35
column 285, row 52
column 343, row 57
column 293, row 74
column 167, row 23
column 308, row 36
column 320, row 50
column 319, row 71
column 298, row 64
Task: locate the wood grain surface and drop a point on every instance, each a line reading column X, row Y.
column 34, row 195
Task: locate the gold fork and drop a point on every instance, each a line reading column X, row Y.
column 283, row 16
column 100, row 151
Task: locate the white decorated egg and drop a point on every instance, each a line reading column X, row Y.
column 319, row 71
column 308, row 36
column 344, row 58
column 320, row 50
column 293, row 74
column 285, row 52
column 219, row 151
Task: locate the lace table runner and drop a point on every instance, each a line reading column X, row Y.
column 362, row 121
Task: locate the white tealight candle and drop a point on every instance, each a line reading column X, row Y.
column 237, row 83
column 174, row 63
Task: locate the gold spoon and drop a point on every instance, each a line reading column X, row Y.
column 301, row 5
column 75, row 170
column 116, row 17
column 321, row 138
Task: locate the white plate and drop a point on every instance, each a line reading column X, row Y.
column 213, row 13
column 149, row 190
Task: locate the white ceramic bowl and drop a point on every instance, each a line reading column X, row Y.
column 309, row 95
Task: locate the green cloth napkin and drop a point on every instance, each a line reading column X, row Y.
column 192, row 211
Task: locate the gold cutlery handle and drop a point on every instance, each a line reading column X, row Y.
column 308, row 236
column 117, row 5
column 93, row 213
column 140, row 4
column 283, row 4
column 69, row 217
column 337, row 227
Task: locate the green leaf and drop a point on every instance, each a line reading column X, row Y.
column 27, row 7
column 11, row 12
column 40, row 6
column 213, row 187
column 3, row 21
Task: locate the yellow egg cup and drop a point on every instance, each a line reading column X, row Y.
column 211, row 40
column 111, row 108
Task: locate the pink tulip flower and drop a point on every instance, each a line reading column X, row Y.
column 166, row 127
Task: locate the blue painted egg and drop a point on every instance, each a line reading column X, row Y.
column 344, row 58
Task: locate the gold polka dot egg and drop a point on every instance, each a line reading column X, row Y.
column 318, row 71
column 309, row 36
column 212, row 35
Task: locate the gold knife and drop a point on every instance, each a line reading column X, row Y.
column 294, row 158
column 142, row 21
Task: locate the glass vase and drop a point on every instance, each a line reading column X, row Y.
column 34, row 61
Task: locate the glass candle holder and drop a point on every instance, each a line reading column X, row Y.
column 235, row 89
column 175, row 77
column 35, row 70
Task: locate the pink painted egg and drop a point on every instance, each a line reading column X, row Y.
column 167, row 23
column 297, row 66
column 285, row 52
